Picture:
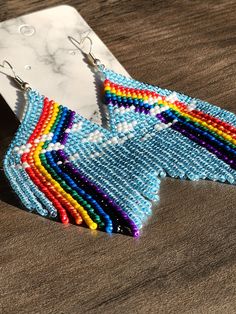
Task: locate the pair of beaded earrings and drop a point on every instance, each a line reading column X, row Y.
column 65, row 167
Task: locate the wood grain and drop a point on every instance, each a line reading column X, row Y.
column 185, row 260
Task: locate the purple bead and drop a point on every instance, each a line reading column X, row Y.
column 110, row 201
column 64, row 139
column 124, row 215
column 96, row 188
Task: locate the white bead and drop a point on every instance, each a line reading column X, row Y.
column 114, row 140
column 131, row 135
column 25, row 165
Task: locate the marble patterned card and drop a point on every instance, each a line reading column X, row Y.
column 37, row 46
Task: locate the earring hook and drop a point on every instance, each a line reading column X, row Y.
column 7, row 65
column 91, row 57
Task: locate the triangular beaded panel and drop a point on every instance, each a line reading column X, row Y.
column 200, row 138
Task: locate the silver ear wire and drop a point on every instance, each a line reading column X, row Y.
column 22, row 84
column 90, row 56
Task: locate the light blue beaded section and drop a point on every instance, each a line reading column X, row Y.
column 31, row 197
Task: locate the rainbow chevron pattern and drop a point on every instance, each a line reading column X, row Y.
column 70, row 169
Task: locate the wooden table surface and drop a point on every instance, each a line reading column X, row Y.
column 185, row 260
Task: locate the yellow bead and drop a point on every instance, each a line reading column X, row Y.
column 228, row 137
column 93, row 226
column 56, row 184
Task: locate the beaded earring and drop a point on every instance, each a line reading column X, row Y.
column 68, row 168
column 65, row 167
column 198, row 140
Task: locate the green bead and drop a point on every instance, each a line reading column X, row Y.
column 101, row 225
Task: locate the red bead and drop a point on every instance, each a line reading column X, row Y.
column 64, row 219
column 107, row 82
